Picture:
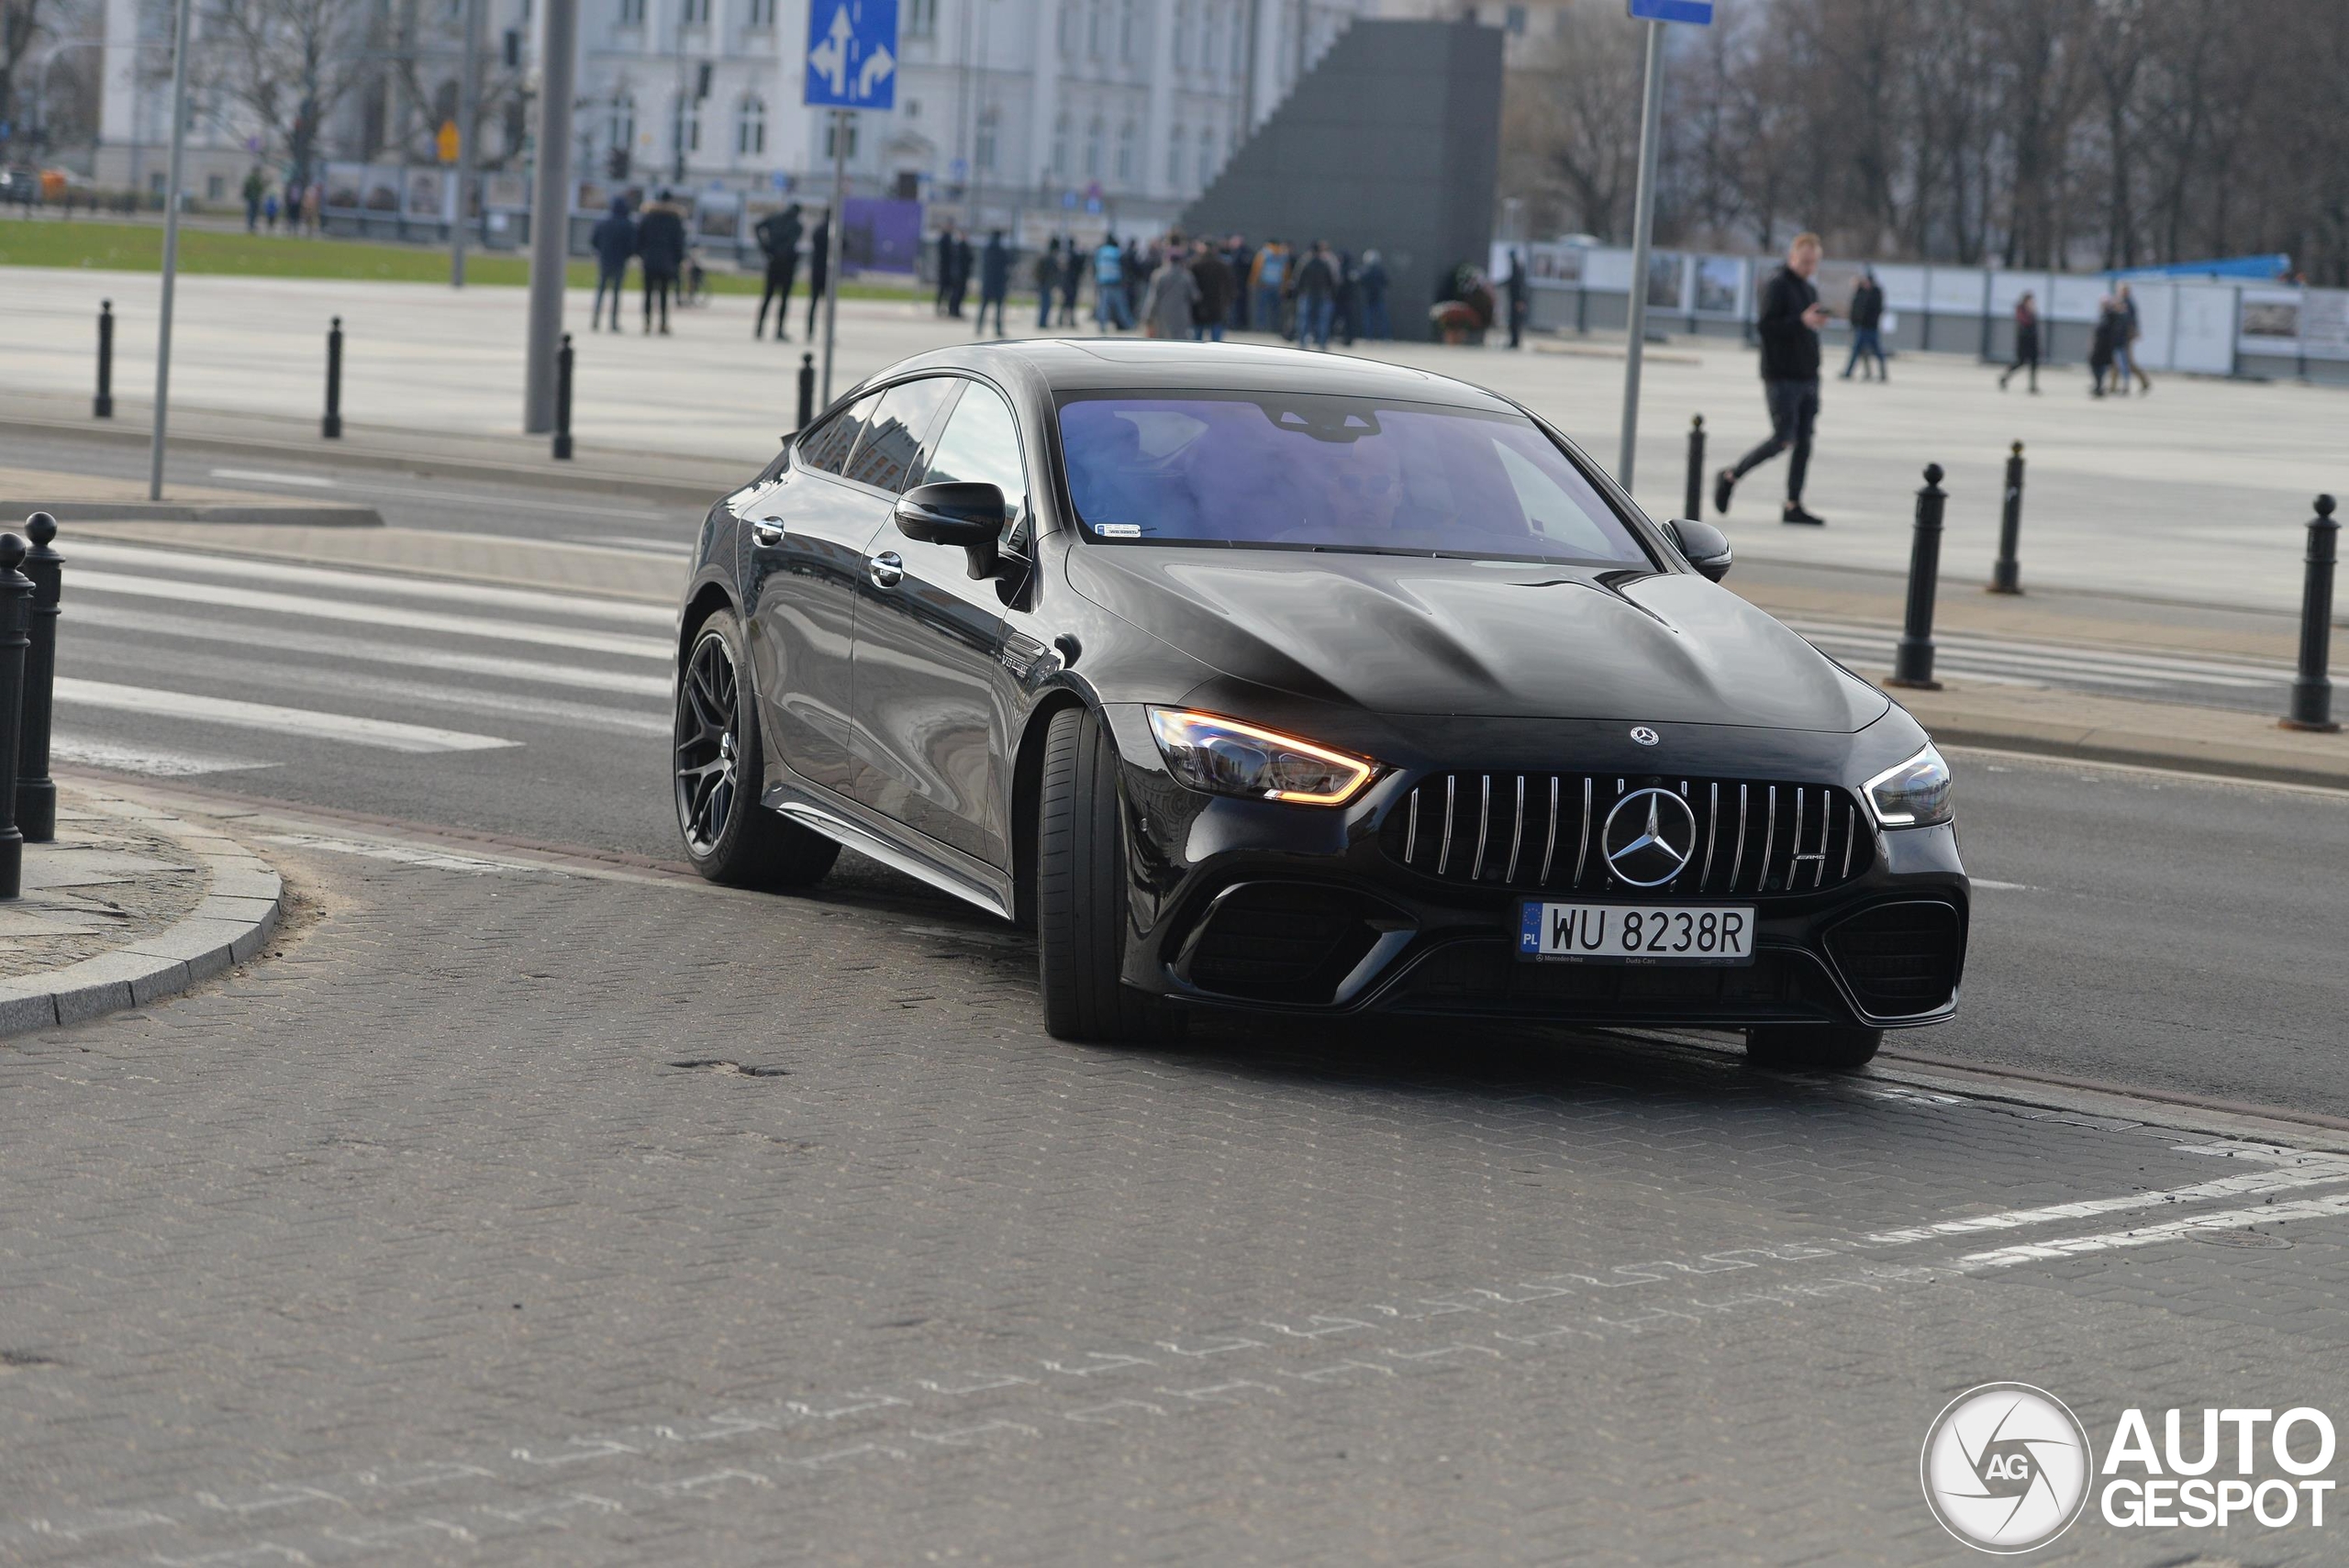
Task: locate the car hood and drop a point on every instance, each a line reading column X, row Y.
column 1412, row 635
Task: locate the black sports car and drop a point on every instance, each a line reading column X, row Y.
column 1254, row 678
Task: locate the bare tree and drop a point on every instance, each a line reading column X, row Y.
column 287, row 64
column 26, row 25
column 1576, row 123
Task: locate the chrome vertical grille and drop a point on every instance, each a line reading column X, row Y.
column 1755, row 837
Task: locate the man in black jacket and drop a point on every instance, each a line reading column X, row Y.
column 1867, row 318
column 819, row 268
column 778, row 235
column 661, row 247
column 1789, row 322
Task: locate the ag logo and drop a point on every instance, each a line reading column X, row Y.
column 2006, row 1467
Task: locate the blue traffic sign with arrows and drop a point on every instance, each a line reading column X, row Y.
column 852, row 54
column 1695, row 13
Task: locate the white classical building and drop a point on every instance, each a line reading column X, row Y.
column 1006, row 109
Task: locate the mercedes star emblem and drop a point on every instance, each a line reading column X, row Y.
column 1649, row 837
column 1645, row 735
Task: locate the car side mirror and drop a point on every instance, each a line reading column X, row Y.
column 1706, row 546
column 967, row 515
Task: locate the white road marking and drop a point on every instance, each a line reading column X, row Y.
column 271, row 476
column 380, row 732
column 278, row 639
column 2317, row 1172
column 2332, row 1206
column 584, row 607
column 223, row 596
column 151, row 761
column 439, row 859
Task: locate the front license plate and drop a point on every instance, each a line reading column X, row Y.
column 1636, row 934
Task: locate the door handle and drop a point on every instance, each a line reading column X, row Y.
column 888, row 569
column 767, row 533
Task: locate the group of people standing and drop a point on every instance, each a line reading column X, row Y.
column 954, row 265
column 264, row 203
column 1199, row 289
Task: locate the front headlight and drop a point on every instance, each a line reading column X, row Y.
column 1914, row 794
column 1223, row 756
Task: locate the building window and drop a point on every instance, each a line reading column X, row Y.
column 984, row 152
column 921, row 18
column 1093, row 149
column 684, row 132
column 1182, row 33
column 1130, row 32
column 1058, row 165
column 1209, row 27
column 1174, row 159
column 1128, row 140
column 694, row 13
column 1097, row 30
column 622, row 125
column 832, row 144
column 751, row 128
column 1513, row 19
column 1238, row 45
column 761, row 16
column 631, row 13
column 1067, row 26
column 1206, row 156
column 215, row 187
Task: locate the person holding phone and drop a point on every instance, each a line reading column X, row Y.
column 1789, row 324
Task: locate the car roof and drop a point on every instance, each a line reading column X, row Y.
column 1053, row 365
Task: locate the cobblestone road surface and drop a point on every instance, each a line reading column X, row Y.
column 517, row 1216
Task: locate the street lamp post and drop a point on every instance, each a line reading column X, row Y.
column 1642, row 225
column 170, row 249
column 549, row 211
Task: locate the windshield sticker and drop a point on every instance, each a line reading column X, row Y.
column 1118, row 530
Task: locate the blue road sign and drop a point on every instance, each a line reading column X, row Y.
column 1695, row 13
column 852, row 54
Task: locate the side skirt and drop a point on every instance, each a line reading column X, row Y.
column 893, row 844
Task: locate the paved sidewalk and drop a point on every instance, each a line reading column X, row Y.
column 131, row 903
column 2200, row 491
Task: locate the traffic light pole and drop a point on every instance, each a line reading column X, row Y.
column 468, row 115
column 549, row 211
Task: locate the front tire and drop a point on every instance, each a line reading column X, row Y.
column 717, row 763
column 1080, row 890
column 1829, row 1048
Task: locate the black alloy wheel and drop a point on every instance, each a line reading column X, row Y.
column 717, row 763
column 1080, row 893
column 1830, row 1048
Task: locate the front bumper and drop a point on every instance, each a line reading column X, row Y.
column 1309, row 910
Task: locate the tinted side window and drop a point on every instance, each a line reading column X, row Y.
column 891, row 449
column 828, row 446
column 981, row 444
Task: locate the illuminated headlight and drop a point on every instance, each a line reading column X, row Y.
column 1223, row 756
column 1914, row 794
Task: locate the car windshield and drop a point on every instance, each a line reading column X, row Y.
column 1273, row 470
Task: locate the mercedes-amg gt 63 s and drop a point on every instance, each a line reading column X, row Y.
column 1309, row 686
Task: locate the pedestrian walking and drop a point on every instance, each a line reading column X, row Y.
column 1316, row 291
column 1216, row 290
column 1867, row 320
column 1376, row 323
column 1072, row 280
column 1517, row 300
column 1790, row 323
column 1134, row 276
column 614, row 242
column 778, row 235
column 268, row 210
column 820, row 267
column 661, row 251
column 994, row 281
column 1110, row 287
column 962, row 267
column 2026, row 343
column 2125, row 352
column 1047, row 279
column 256, row 185
column 1264, row 283
column 2105, row 346
column 1169, row 309
column 1241, row 259
column 943, row 261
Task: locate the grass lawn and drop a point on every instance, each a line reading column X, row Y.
column 139, row 248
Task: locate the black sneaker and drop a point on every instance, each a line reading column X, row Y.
column 1794, row 514
column 1723, row 482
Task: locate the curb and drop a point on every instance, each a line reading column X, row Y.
column 297, row 512
column 228, row 926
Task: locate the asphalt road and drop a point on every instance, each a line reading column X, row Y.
column 2132, row 928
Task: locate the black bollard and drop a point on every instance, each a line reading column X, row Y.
column 1912, row 661
column 807, row 390
column 36, row 791
column 562, row 400
column 2006, row 577
column 2312, row 688
column 1694, row 501
column 332, row 426
column 15, row 593
column 102, row 406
